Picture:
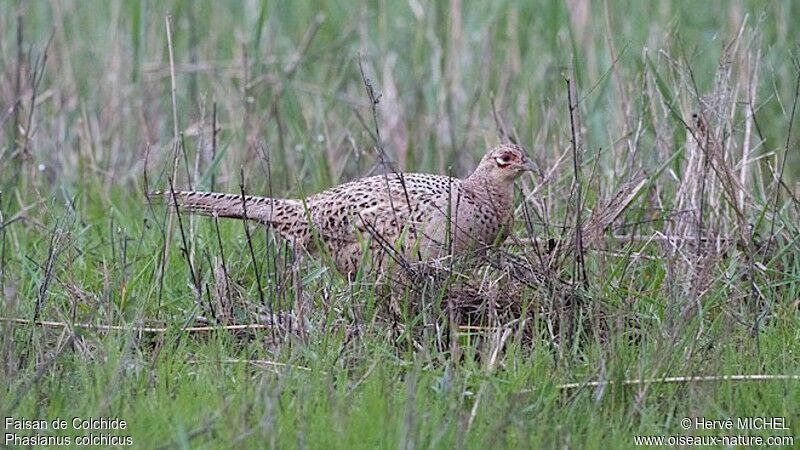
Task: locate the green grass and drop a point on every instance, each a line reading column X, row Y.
column 79, row 243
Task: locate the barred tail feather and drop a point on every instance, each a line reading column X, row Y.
column 262, row 209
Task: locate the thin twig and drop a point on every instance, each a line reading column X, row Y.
column 173, row 88
column 579, row 270
column 139, row 329
column 214, row 131
column 252, row 252
column 383, row 159
column 195, row 278
column 222, row 259
column 681, row 379
column 255, row 362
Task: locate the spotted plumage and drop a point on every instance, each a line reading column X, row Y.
column 418, row 216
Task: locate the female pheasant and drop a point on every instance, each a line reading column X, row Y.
column 419, row 216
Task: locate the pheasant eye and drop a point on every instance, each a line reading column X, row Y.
column 503, row 160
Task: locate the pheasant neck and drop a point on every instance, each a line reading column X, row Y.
column 497, row 193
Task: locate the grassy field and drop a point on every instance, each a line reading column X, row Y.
column 664, row 131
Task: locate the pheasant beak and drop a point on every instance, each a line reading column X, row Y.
column 531, row 166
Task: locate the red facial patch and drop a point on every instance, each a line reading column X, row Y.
column 505, row 159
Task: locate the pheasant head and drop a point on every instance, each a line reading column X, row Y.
column 503, row 164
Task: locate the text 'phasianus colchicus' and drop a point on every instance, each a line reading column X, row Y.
column 420, row 217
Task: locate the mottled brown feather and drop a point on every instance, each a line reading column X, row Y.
column 409, row 211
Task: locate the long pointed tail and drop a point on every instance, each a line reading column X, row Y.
column 271, row 211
